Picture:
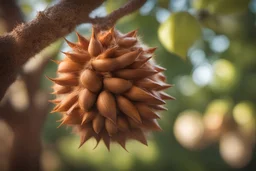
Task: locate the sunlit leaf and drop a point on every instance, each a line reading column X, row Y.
column 179, row 32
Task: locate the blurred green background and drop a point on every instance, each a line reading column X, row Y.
column 209, row 50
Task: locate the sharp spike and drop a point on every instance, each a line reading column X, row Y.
column 109, row 53
column 147, row 84
column 88, row 116
column 146, row 112
column 131, row 33
column 151, row 125
column 150, row 50
column 66, row 103
column 75, row 119
column 86, row 134
column 55, row 61
column 55, row 108
column 95, row 47
column 78, row 57
column 133, row 124
column 120, row 138
column 138, row 135
column 58, row 89
column 166, row 96
column 112, row 31
column 61, row 124
column 105, row 138
column 158, row 107
column 161, row 76
column 97, row 138
column 140, row 63
column 140, row 95
column 74, row 46
column 164, row 86
column 54, row 101
column 65, row 80
column 159, row 68
column 72, row 108
column 105, row 38
column 83, row 42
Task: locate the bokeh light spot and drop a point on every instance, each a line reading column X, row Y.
column 220, row 43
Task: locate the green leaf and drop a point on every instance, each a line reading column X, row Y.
column 179, row 32
column 229, row 6
column 222, row 7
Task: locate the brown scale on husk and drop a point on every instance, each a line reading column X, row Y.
column 109, row 88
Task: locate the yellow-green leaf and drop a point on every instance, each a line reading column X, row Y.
column 179, row 32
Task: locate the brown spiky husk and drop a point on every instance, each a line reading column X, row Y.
column 110, row 88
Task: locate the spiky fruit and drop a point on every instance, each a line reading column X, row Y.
column 109, row 88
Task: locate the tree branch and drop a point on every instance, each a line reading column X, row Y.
column 26, row 40
column 110, row 20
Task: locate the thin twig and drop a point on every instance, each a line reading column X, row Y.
column 110, row 20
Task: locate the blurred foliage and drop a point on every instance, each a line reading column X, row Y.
column 221, row 7
column 214, row 88
column 175, row 33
